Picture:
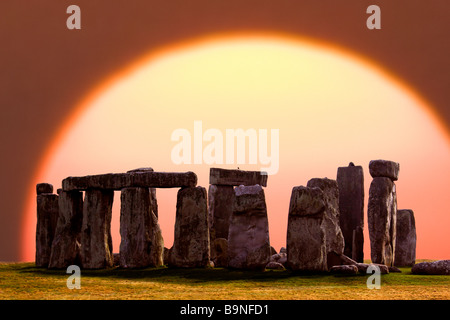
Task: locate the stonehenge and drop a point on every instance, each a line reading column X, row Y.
column 226, row 224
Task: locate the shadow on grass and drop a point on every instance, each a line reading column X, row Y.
column 165, row 274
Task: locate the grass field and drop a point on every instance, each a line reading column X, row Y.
column 23, row 281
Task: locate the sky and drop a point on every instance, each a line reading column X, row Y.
column 49, row 71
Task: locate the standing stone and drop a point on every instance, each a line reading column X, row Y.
column 333, row 233
column 405, row 244
column 191, row 238
column 141, row 244
column 248, row 236
column 306, row 237
column 44, row 188
column 153, row 200
column 382, row 216
column 66, row 242
column 220, row 199
column 351, row 209
column 47, row 217
column 96, row 241
column 219, row 252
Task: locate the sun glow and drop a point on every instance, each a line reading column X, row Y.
column 330, row 107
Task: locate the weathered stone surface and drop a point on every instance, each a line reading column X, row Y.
column 166, row 256
column 344, row 269
column 405, row 244
column 333, row 234
column 219, row 252
column 306, row 242
column 382, row 216
column 358, row 244
column 96, row 241
column 440, row 267
column 272, row 250
column 362, row 267
column 153, row 200
column 248, row 237
column 384, row 168
column 191, row 240
column 118, row 181
column 228, row 177
column 394, row 269
column 47, row 218
column 275, row 266
column 44, row 188
column 351, row 209
column 283, row 250
column 279, row 257
column 142, row 243
column 66, row 242
column 220, row 209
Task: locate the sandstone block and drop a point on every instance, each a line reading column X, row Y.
column 142, row 244
column 306, row 237
column 228, row 177
column 351, row 209
column 47, row 218
column 248, row 237
column 333, row 234
column 384, row 168
column 405, row 244
column 440, row 267
column 44, row 188
column 191, row 246
column 382, row 217
column 96, row 241
column 118, row 181
column 66, row 242
column 220, row 199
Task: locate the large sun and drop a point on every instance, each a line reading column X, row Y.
column 330, row 107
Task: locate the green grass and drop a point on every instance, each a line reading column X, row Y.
column 25, row 281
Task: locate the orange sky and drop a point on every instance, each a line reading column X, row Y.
column 329, row 105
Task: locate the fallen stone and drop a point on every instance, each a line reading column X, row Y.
column 219, row 252
column 191, row 246
column 96, row 241
column 394, row 269
column 440, row 267
column 344, row 269
column 118, row 181
column 66, row 242
column 275, row 266
column 333, row 234
column 384, row 168
column 283, row 250
column 142, row 243
column 47, row 218
column 272, row 250
column 405, row 244
column 248, row 237
column 44, row 188
column 283, row 258
column 362, row 267
column 351, row 208
column 228, row 177
column 306, row 240
column 382, row 216
column 220, row 209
